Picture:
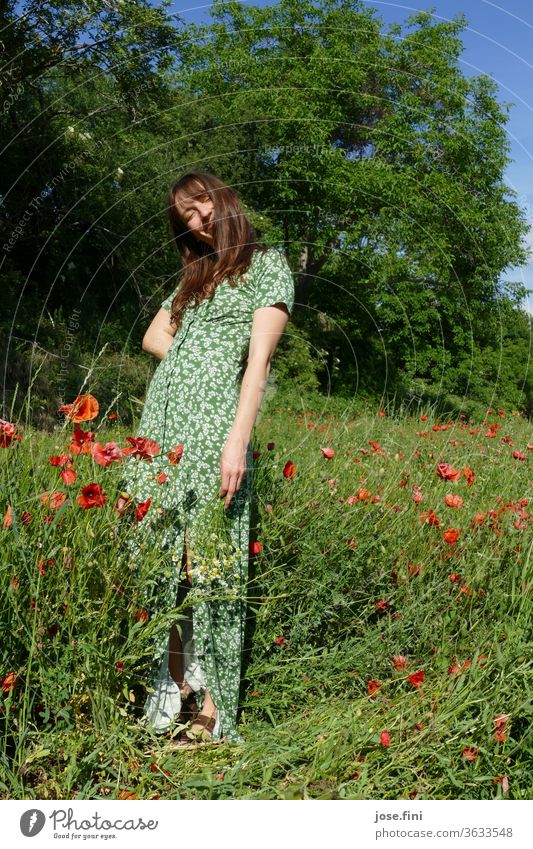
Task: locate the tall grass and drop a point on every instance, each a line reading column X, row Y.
column 363, row 619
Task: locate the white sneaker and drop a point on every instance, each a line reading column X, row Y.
column 214, row 732
column 164, row 703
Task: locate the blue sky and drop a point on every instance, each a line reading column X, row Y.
column 498, row 42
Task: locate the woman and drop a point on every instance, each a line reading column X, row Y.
column 215, row 336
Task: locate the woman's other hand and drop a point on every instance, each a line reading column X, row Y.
column 232, row 468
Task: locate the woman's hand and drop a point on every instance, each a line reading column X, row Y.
column 232, row 468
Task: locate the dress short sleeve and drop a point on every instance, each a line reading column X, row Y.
column 274, row 282
column 167, row 303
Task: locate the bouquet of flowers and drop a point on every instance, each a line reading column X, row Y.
column 214, row 566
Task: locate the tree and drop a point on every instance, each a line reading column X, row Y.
column 381, row 164
column 81, row 180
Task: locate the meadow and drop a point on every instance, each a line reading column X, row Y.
column 388, row 653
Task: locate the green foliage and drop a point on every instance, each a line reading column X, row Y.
column 364, row 151
column 296, row 362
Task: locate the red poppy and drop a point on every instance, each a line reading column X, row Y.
column 68, row 476
column 519, row 455
column 255, row 548
column 141, row 615
column 478, row 520
column 62, row 460
column 417, row 494
column 127, row 795
column 503, row 780
column 455, row 669
column 42, row 563
column 470, row 753
column 430, row 517
column 119, row 666
column 112, row 416
column 413, row 569
column 372, row 687
column 271, row 446
column 416, row 678
column 382, row 604
column 91, row 495
column 81, row 444
column 161, row 478
column 451, row 535
column 104, row 456
column 9, row 682
column 53, row 500
column 399, row 661
column 447, row 472
column 8, row 434
column 256, row 455
column 289, row 469
column 453, row 501
column 175, row 455
column 83, row 409
column 384, row 739
column 142, row 509
column 141, row 447
column 280, row 641
column 328, row 453
column 8, row 518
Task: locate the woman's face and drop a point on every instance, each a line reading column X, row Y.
column 197, row 213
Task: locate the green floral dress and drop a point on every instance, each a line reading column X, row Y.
column 191, row 401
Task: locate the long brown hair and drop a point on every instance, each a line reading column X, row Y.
column 230, row 254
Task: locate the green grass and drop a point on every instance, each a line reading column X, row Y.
column 349, row 583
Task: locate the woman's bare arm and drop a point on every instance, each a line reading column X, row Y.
column 158, row 338
column 267, row 328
